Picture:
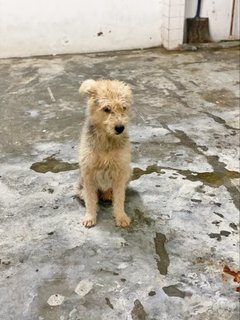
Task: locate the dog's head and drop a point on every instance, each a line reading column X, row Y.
column 108, row 104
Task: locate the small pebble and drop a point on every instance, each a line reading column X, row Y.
column 84, row 287
column 55, row 300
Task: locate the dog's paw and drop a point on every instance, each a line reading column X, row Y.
column 89, row 221
column 123, row 220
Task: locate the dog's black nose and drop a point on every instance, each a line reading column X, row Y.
column 119, row 129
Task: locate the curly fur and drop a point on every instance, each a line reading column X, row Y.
column 104, row 154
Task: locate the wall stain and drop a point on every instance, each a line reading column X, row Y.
column 164, row 261
column 53, row 165
column 173, row 291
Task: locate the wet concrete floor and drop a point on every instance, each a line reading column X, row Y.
column 179, row 259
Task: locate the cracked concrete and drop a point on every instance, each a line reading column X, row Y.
column 179, row 259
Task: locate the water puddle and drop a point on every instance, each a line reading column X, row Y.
column 138, row 312
column 137, row 172
column 221, row 97
column 213, row 179
column 164, row 261
column 50, row 164
column 173, row 291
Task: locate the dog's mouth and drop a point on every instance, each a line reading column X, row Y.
column 119, row 129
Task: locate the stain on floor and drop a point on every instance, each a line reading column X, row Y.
column 51, row 164
column 173, row 291
column 221, row 97
column 163, row 261
column 138, row 312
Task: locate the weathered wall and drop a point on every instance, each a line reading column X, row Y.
column 30, row 27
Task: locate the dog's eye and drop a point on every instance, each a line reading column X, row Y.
column 124, row 108
column 107, row 109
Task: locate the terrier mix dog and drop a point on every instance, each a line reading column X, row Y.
column 105, row 148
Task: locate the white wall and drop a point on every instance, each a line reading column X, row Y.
column 40, row 27
column 219, row 13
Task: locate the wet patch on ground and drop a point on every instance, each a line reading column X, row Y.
column 218, row 236
column 221, row 97
column 140, row 218
column 221, row 121
column 137, row 172
column 221, row 175
column 218, row 177
column 213, row 179
column 173, row 291
column 138, row 312
column 164, row 261
column 51, row 164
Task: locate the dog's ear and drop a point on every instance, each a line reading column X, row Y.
column 88, row 87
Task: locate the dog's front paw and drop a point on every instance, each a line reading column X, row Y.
column 123, row 220
column 89, row 221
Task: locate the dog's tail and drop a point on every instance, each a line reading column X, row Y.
column 87, row 87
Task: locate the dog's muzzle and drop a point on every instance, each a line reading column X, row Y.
column 119, row 129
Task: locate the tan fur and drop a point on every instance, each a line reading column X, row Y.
column 104, row 156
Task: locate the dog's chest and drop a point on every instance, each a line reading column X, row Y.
column 108, row 161
column 107, row 165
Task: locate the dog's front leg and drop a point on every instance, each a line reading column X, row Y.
column 122, row 220
column 90, row 193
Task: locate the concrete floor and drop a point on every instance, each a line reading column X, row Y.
column 184, row 196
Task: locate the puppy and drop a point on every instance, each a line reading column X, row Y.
column 104, row 153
